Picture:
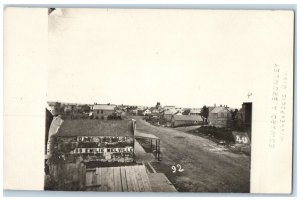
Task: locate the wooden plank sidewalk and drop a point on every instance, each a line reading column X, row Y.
column 118, row 179
column 160, row 183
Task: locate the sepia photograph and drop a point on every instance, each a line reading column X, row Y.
column 143, row 100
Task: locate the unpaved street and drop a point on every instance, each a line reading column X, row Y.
column 207, row 167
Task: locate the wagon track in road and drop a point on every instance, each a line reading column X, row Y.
column 207, row 167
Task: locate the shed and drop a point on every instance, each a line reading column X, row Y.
column 186, row 120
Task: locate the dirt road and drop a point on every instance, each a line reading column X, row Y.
column 207, row 167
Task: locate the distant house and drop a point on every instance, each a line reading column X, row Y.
column 186, row 120
column 220, row 117
column 157, row 112
column 134, row 112
column 143, row 111
column 146, row 112
column 102, row 111
column 168, row 114
column 195, row 111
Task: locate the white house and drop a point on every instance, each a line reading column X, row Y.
column 146, row 112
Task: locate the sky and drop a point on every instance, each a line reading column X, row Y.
column 186, row 58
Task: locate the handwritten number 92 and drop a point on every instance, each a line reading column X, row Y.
column 179, row 169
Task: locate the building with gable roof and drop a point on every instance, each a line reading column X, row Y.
column 102, row 111
column 186, row 120
column 220, row 117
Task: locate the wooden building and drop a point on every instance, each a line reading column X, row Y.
column 168, row 114
column 93, row 140
column 220, row 117
column 186, row 120
column 195, row 111
column 157, row 112
column 169, row 107
column 146, row 112
column 102, row 111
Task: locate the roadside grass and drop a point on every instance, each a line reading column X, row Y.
column 216, row 134
column 222, row 136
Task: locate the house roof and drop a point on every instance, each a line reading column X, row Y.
column 104, row 107
column 170, row 111
column 219, row 109
column 187, row 118
column 88, row 127
column 157, row 111
column 195, row 110
column 169, row 106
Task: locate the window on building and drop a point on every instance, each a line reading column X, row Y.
column 101, row 111
column 97, row 111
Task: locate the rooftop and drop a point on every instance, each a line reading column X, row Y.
column 88, row 127
column 104, row 107
column 187, row 118
column 170, row 111
column 169, row 106
column 219, row 109
column 195, row 110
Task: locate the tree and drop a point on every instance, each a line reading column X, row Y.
column 158, row 105
column 234, row 117
column 86, row 108
column 186, row 112
column 59, row 108
column 234, row 113
column 204, row 111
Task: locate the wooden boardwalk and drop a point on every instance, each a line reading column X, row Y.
column 160, row 183
column 118, row 179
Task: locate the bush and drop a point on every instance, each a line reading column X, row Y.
column 217, row 133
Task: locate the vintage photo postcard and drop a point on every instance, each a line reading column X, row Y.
column 151, row 100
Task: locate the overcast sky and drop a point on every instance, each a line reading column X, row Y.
column 185, row 58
